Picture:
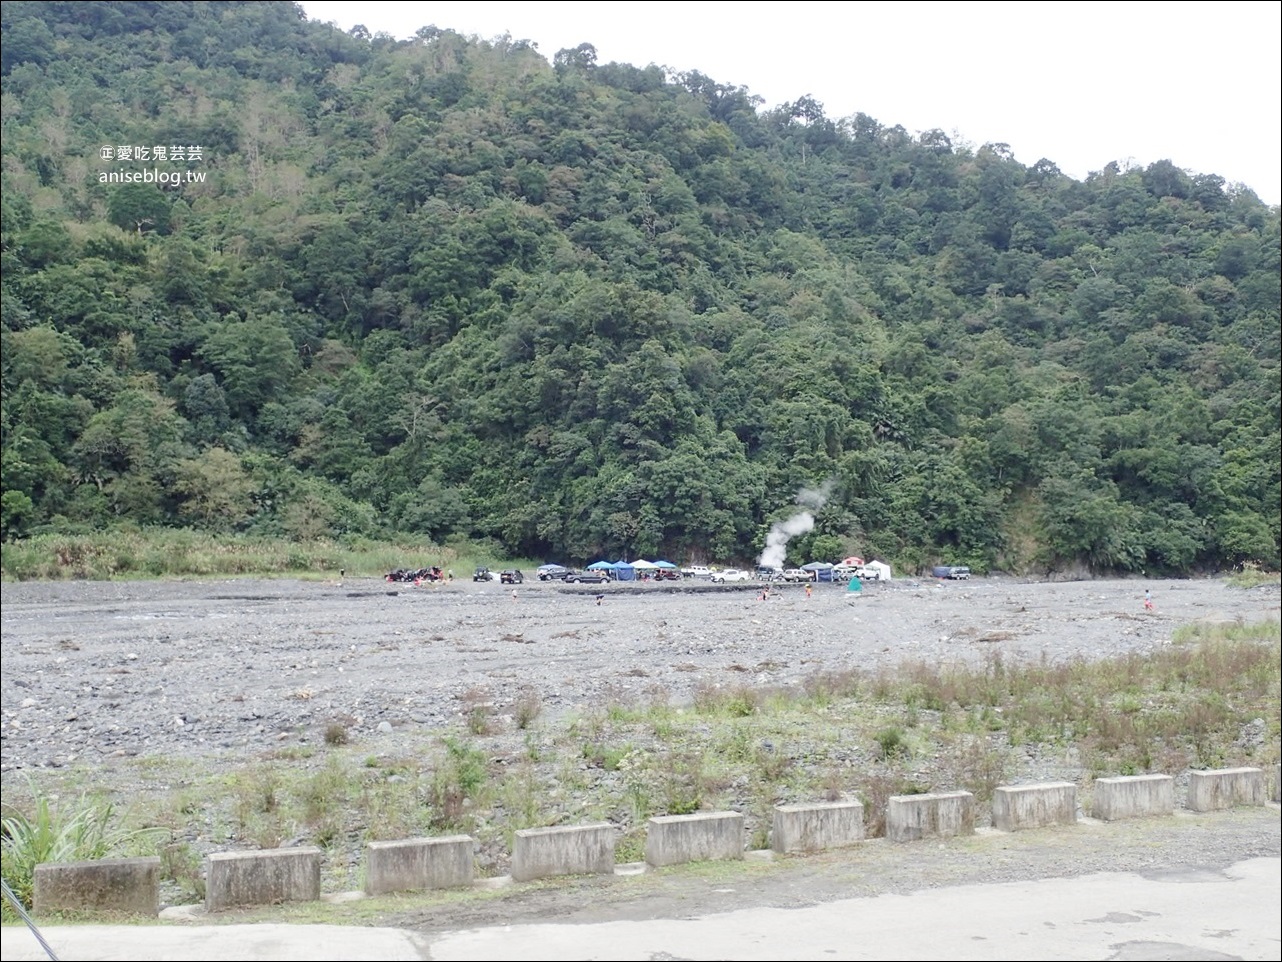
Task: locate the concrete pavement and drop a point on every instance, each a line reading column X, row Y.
column 1180, row 914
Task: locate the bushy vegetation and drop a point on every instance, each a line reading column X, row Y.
column 1211, row 699
column 162, row 552
column 445, row 290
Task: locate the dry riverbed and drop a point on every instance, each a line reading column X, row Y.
column 105, row 669
column 98, row 677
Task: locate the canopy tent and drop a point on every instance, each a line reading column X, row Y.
column 624, row 571
column 665, row 564
column 822, row 570
column 643, row 565
column 853, row 561
column 601, row 566
column 882, row 569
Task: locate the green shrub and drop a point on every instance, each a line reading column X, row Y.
column 892, row 743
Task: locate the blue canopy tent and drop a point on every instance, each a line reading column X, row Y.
column 664, row 564
column 822, row 570
column 624, row 571
column 601, row 566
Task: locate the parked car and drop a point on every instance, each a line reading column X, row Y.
column 552, row 572
column 730, row 574
column 667, row 574
column 951, row 572
column 511, row 576
column 586, row 578
column 796, row 574
column 696, row 571
column 769, row 573
column 484, row 574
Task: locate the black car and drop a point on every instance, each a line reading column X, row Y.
column 481, row 574
column 511, row 577
column 587, row 578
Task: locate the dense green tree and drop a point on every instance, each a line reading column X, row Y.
column 255, row 361
column 139, row 208
column 447, row 288
column 217, row 490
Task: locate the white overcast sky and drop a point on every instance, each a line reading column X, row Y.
column 1082, row 84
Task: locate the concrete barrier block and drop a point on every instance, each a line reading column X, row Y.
column 1018, row 807
column 262, row 878
column 704, row 836
column 940, row 815
column 566, row 850
column 418, row 864
column 1133, row 796
column 813, row 828
column 1223, row 788
column 126, row 885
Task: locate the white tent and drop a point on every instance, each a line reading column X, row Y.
column 882, row 569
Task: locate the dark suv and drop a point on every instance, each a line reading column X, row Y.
column 511, row 577
column 587, row 578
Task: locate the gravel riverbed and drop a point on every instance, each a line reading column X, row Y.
column 94, row 670
column 221, row 672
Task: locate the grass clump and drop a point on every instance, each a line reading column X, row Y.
column 457, row 783
column 892, row 742
column 527, row 708
column 50, row 831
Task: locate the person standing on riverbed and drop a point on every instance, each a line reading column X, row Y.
column 1148, row 599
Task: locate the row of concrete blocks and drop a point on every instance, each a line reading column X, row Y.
column 280, row 875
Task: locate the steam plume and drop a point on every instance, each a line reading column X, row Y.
column 781, row 532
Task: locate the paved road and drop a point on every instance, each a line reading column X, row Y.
column 1185, row 914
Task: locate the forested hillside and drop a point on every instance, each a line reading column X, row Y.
column 447, row 289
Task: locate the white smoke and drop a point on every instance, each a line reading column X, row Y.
column 781, row 532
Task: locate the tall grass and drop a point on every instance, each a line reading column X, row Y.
column 164, row 552
column 1253, row 577
column 69, row 832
